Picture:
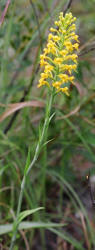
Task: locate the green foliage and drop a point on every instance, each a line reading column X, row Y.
column 29, row 225
column 57, row 181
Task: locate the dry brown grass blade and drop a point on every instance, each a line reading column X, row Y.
column 73, row 112
column 4, row 12
column 85, row 231
column 16, row 106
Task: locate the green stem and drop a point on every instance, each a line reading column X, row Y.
column 37, row 151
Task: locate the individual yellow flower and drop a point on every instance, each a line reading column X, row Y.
column 76, row 46
column 59, row 59
column 63, row 52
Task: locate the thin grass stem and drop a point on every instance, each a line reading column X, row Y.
column 37, row 151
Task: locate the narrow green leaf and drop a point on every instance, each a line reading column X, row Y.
column 47, row 142
column 68, row 238
column 24, row 214
column 4, row 229
column 3, row 169
column 52, row 116
column 27, row 163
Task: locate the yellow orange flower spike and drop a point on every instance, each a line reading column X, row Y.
column 59, row 59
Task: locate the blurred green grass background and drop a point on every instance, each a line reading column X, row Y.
column 71, row 149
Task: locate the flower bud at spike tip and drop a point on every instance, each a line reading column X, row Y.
column 59, row 59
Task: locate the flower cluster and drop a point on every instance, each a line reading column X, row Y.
column 59, row 58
